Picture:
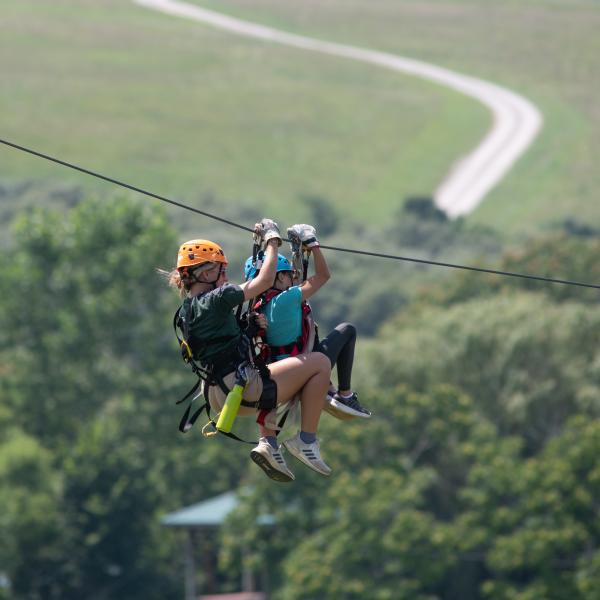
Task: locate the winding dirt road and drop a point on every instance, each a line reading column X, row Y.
column 516, row 121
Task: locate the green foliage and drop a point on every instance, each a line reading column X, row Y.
column 372, row 528
column 419, row 225
column 527, row 362
column 556, row 256
column 545, row 517
column 31, row 524
column 476, row 477
column 485, row 487
column 90, row 370
column 430, row 501
column 83, row 306
column 111, row 497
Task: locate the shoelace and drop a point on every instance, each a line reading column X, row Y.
column 353, row 402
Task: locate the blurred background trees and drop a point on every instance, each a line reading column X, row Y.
column 477, row 476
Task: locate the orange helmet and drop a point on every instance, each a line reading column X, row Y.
column 198, row 252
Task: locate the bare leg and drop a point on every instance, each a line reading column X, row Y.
column 309, row 373
column 266, row 432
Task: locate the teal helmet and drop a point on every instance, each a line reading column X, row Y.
column 251, row 268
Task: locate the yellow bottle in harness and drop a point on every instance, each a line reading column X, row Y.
column 231, row 407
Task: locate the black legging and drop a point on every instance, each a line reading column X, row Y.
column 338, row 347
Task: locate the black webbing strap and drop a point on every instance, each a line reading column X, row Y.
column 184, row 343
column 207, row 374
column 187, row 422
column 212, row 422
column 282, row 421
column 196, row 386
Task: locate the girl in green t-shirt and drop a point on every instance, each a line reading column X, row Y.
column 209, row 299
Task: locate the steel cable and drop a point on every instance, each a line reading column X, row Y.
column 334, row 248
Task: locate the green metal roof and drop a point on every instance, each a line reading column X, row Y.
column 210, row 513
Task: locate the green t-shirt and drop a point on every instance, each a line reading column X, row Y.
column 211, row 317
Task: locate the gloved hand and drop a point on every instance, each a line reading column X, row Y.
column 306, row 233
column 267, row 230
column 259, row 320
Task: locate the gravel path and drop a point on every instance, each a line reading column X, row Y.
column 516, row 121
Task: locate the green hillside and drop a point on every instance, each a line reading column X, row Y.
column 544, row 50
column 189, row 111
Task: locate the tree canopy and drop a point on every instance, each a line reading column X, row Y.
column 477, row 476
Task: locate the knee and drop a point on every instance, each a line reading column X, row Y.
column 321, row 362
column 347, row 329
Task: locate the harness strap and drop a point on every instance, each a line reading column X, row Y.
column 292, row 349
column 207, row 374
column 196, row 386
column 188, row 349
column 213, row 423
column 187, row 422
column 299, row 345
column 262, row 415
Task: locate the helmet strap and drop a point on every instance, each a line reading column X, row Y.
column 214, row 282
column 192, row 278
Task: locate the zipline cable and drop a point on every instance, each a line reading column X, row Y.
column 122, row 184
column 466, row 268
column 334, row 248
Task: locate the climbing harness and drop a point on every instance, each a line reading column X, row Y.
column 214, row 372
column 298, row 265
column 247, row 353
column 300, row 344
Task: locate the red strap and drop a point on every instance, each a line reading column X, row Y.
column 305, row 325
column 266, row 298
column 262, row 415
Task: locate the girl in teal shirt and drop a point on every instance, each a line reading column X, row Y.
column 288, row 322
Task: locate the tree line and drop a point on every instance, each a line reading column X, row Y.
column 477, row 476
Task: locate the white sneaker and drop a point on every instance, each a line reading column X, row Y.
column 309, row 454
column 271, row 461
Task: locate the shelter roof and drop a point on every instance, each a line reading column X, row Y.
column 209, row 513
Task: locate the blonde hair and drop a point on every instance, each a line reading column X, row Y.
column 183, row 283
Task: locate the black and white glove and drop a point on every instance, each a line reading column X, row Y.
column 267, row 230
column 306, row 233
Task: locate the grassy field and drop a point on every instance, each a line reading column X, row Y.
column 546, row 50
column 191, row 112
column 195, row 113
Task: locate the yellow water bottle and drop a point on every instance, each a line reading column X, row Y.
column 230, row 408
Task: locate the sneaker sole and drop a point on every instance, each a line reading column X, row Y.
column 266, row 466
column 349, row 411
column 338, row 414
column 300, row 457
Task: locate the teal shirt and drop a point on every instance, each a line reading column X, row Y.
column 212, row 317
column 284, row 318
